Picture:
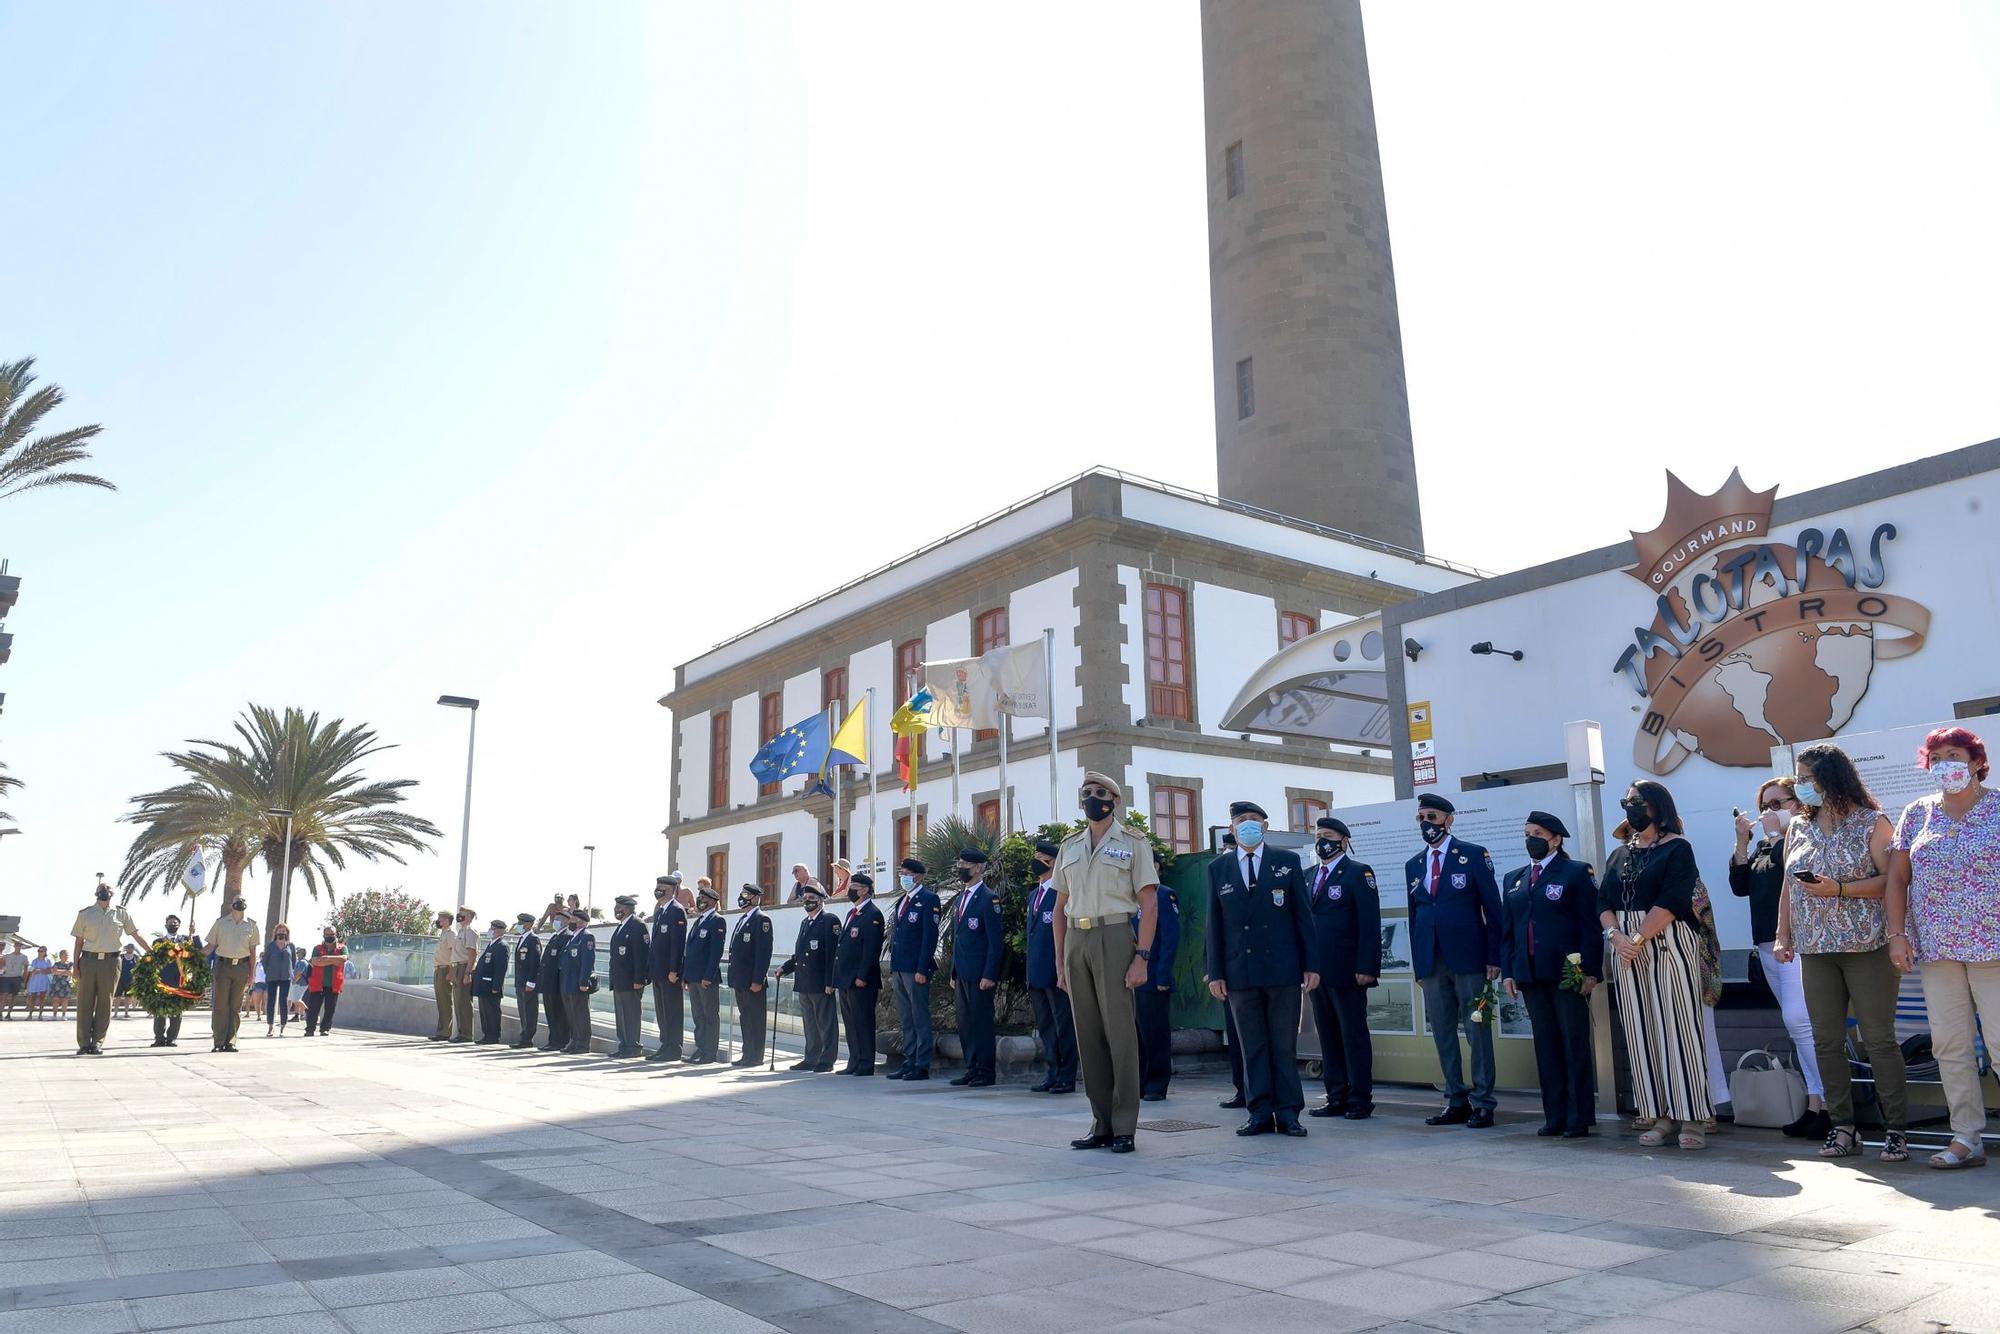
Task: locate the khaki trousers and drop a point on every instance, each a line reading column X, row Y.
column 226, row 987
column 96, row 979
column 461, row 1005
column 1953, row 993
column 1866, row 981
column 1107, row 1029
column 441, row 988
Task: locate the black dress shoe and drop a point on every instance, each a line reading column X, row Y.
column 1256, row 1125
column 1233, row 1104
column 800, row 1065
column 1042, row 1087
column 865, row 1072
column 916, row 1075
column 980, row 1082
column 1455, row 1115
column 1063, row 1088
column 229, row 1047
column 173, row 1043
column 1121, row 1144
column 1292, row 1128
column 1092, row 1142
column 961, row 1081
column 1577, row 1132
column 904, row 1073
column 1152, row 1097
column 744, row 1063
column 1329, row 1109
column 1358, row 1113
column 826, row 1069
column 1480, row 1120
column 1548, row 1132
column 436, row 1037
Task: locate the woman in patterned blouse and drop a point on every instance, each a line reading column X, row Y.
column 1830, row 917
column 1943, row 910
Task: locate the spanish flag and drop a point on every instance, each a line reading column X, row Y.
column 908, row 724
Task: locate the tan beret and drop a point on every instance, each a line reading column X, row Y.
column 1106, row 781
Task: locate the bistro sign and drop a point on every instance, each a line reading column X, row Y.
column 1755, row 643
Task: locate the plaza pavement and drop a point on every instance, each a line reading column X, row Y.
column 371, row 1183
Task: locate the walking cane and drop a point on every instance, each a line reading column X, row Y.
column 770, row 1021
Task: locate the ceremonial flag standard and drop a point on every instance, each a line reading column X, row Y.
column 800, row 748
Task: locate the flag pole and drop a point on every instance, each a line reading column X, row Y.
column 1006, row 802
column 954, row 773
column 833, row 729
column 1055, row 806
column 870, row 722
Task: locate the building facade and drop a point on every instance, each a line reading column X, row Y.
column 1163, row 602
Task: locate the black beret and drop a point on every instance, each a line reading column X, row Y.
column 1431, row 801
column 707, row 892
column 751, row 887
column 1229, row 840
column 1548, row 822
column 670, row 878
column 629, row 900
column 1328, row 822
column 862, row 878
column 1237, row 808
column 498, row 925
column 912, row 865
column 1046, row 848
column 973, row 855
column 813, row 888
column 525, row 918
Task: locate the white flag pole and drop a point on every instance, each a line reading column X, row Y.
column 1055, row 806
column 954, row 772
column 872, row 716
column 833, row 711
column 1006, row 804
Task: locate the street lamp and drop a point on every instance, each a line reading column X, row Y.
column 471, row 735
column 590, row 878
column 284, row 864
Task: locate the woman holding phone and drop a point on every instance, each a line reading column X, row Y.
column 1836, row 856
column 1757, row 873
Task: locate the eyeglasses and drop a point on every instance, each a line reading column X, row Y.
column 1774, row 805
column 1095, row 791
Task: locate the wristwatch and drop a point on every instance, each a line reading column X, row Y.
column 1147, row 955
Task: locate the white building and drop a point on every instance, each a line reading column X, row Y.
column 1163, row 603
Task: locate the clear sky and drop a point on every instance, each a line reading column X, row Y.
column 525, row 350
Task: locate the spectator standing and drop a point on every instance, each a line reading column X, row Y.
column 1757, row 873
column 1831, row 917
column 62, row 983
column 122, row 998
column 326, row 974
column 1942, row 914
column 13, row 979
column 41, row 973
column 279, row 963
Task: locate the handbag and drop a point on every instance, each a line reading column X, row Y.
column 1770, row 1096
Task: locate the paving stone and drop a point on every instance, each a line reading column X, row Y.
column 193, row 1308
column 618, row 1292
column 432, row 1315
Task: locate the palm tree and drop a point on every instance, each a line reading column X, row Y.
column 181, row 823
column 26, row 465
column 8, row 783
column 290, row 761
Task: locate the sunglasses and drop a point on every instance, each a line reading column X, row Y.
column 1095, row 791
column 1774, row 805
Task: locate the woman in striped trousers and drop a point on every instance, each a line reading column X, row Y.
column 1646, row 902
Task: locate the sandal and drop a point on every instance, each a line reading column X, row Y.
column 1841, row 1142
column 1947, row 1161
column 1693, row 1139
column 1643, row 1123
column 1895, row 1147
column 1707, row 1127
column 1657, row 1136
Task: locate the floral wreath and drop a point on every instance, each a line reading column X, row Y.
column 162, row 998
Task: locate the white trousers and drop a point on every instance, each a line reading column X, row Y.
column 1784, row 982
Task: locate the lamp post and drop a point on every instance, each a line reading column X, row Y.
column 590, row 879
column 471, row 706
column 284, row 865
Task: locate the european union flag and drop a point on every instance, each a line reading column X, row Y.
column 800, row 748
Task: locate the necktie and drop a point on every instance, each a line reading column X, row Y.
column 1250, row 860
column 1325, row 874
column 1437, row 869
column 1534, row 876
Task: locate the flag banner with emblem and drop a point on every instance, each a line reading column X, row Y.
column 975, row 692
column 800, row 748
column 908, row 724
column 195, row 876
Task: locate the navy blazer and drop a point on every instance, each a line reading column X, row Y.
column 1461, row 928
column 704, row 949
column 750, row 950
column 977, row 938
column 1042, row 937
column 1166, row 939
column 579, row 961
column 549, row 980
column 859, row 958
column 669, row 941
column 1555, row 919
column 913, row 934
column 1260, row 935
column 812, row 954
column 527, row 961
column 489, row 975
column 1347, row 921
column 631, row 959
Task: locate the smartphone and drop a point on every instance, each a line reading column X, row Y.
column 1806, row 878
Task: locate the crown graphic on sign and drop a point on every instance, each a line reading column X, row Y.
column 1695, row 523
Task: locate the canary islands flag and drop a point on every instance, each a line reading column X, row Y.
column 800, row 748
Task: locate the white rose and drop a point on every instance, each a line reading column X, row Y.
column 1576, row 959
column 1479, row 1016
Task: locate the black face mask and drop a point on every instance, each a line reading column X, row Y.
column 1638, row 816
column 1433, row 833
column 1043, row 868
column 237, row 906
column 328, row 937
column 743, row 901
column 1327, row 848
column 853, row 894
column 966, row 874
column 1099, row 808
column 1538, row 847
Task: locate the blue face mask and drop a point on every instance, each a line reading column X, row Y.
column 1807, row 792
column 1250, row 833
column 907, row 881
